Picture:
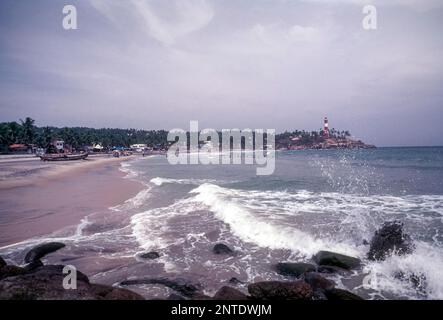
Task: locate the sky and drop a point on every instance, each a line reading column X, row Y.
column 280, row 64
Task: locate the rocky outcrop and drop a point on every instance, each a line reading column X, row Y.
column 180, row 285
column 46, row 283
column 221, row 248
column 149, row 255
column 11, row 271
column 295, row 269
column 336, row 259
column 340, row 294
column 228, row 293
column 42, row 250
column 277, row 290
column 318, row 282
column 235, row 281
column 2, row 262
column 390, row 239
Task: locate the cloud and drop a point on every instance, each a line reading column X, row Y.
column 181, row 17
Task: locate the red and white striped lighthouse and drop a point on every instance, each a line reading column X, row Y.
column 326, row 128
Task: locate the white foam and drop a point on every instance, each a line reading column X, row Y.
column 158, row 181
column 261, row 230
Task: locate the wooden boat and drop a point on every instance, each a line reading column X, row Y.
column 63, row 157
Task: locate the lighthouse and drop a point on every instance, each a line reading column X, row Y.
column 326, row 128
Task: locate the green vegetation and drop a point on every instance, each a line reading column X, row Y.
column 25, row 132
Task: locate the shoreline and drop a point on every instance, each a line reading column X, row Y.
column 49, row 198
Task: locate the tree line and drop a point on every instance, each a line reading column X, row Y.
column 26, row 132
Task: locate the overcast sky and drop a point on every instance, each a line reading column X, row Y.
column 282, row 64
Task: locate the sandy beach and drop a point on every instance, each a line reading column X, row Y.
column 38, row 198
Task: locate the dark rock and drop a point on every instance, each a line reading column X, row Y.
column 277, row 290
column 319, row 295
column 42, row 250
column 33, row 265
column 228, row 293
column 11, row 271
column 174, row 296
column 340, row 294
column 318, row 282
column 2, row 262
column 221, row 248
column 234, row 280
column 336, row 259
column 46, row 283
column 418, row 281
column 390, row 239
column 180, row 285
column 332, row 269
column 295, row 269
column 150, row 255
column 365, row 242
column 201, row 296
column 111, row 293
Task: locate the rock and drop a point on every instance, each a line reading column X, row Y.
column 33, row 265
column 2, row 262
column 340, row 294
column 277, row 290
column 149, row 255
column 234, row 280
column 221, row 248
column 336, row 259
column 174, row 296
column 180, row 285
column 46, row 283
column 111, row 293
column 318, row 282
column 42, row 250
column 418, row 281
column 294, row 269
column 11, row 271
column 228, row 293
column 332, row 269
column 390, row 239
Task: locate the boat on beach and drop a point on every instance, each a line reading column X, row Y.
column 63, row 157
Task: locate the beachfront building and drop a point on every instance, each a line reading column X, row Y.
column 139, row 147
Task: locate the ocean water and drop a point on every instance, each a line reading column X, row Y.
column 316, row 200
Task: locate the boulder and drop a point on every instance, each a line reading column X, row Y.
column 332, row 269
column 2, row 262
column 234, row 280
column 182, row 286
column 111, row 293
column 228, row 293
column 174, row 296
column 46, row 283
column 11, row 271
column 33, row 265
column 390, row 239
column 149, row 255
column 42, row 250
column 295, row 269
column 277, row 290
column 221, row 248
column 340, row 294
column 336, row 259
column 318, row 282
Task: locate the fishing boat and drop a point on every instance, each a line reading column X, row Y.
column 63, row 157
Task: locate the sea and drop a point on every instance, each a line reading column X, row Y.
column 315, row 200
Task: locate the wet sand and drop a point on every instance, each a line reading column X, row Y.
column 39, row 198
